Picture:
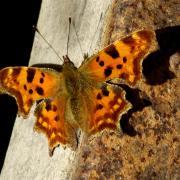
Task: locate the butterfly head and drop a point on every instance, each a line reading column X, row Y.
column 66, row 59
column 68, row 63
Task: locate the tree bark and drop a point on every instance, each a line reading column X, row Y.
column 153, row 151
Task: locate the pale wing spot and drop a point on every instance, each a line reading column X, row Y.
column 109, row 88
column 92, row 129
column 40, row 120
column 44, row 124
column 9, row 72
column 60, row 135
column 116, row 106
column 100, row 122
column 14, row 86
column 52, row 136
column 109, row 120
column 44, row 111
column 25, row 98
column 5, row 82
column 8, row 84
column 26, row 108
column 111, row 111
column 131, row 78
column 119, row 100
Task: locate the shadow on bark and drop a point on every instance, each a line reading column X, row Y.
column 156, row 72
column 138, row 103
column 156, row 65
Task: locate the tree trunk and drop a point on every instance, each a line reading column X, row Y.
column 148, row 147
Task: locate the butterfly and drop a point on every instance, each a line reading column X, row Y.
column 85, row 98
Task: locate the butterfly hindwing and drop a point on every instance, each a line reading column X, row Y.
column 102, row 108
column 121, row 60
column 51, row 121
column 110, row 104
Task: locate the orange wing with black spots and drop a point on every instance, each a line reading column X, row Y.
column 51, row 121
column 28, row 84
column 85, row 98
column 122, row 59
column 120, row 62
column 109, row 105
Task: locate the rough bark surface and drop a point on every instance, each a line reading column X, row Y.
column 149, row 145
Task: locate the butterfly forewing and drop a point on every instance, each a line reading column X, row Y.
column 28, row 84
column 121, row 60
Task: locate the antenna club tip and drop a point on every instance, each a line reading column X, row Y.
column 70, row 20
column 36, row 29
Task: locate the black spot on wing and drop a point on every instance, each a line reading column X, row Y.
column 97, row 59
column 30, row 91
column 41, row 80
column 43, row 75
column 25, row 87
column 112, row 51
column 54, row 108
column 124, row 59
column 101, row 63
column 108, row 71
column 39, row 90
column 99, row 106
column 48, row 106
column 56, row 118
column 105, row 92
column 30, row 74
column 119, row 66
column 98, row 96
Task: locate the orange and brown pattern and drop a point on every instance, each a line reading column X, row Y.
column 86, row 98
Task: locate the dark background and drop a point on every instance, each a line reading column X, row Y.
column 17, row 33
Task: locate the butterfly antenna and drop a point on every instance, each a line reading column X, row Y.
column 95, row 33
column 68, row 35
column 78, row 39
column 36, row 29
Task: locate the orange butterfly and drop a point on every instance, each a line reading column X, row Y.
column 79, row 98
